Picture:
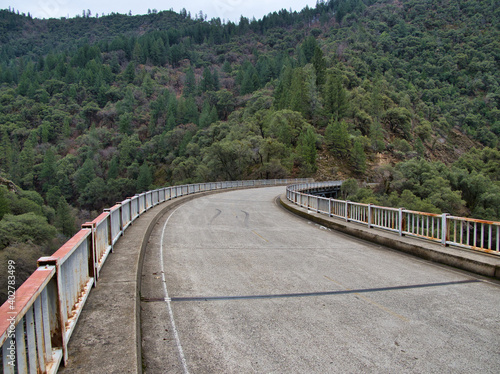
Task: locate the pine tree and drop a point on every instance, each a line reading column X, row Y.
column 125, row 124
column 48, row 172
column 337, row 137
column 129, row 73
column 358, row 156
column 319, row 64
column 26, row 165
column 307, row 148
column 309, row 47
column 145, row 178
column 190, row 83
column 335, row 97
column 191, row 114
column 215, row 81
column 113, row 168
column 299, row 95
column 206, row 83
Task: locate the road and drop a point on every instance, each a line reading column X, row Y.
column 232, row 283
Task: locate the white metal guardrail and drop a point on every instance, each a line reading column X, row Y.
column 38, row 319
column 463, row 232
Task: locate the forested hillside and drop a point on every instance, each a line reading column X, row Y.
column 405, row 94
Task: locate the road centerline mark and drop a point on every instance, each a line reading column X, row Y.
column 260, row 236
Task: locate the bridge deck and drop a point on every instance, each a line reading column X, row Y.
column 252, row 288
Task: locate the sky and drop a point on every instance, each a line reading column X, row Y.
column 224, row 9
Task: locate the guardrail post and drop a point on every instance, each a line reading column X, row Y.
column 93, row 260
column 369, row 216
column 329, row 207
column 402, row 222
column 444, row 229
column 347, row 210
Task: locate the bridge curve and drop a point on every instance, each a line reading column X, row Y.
column 95, row 336
column 233, row 283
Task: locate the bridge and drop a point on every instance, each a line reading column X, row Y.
column 221, row 278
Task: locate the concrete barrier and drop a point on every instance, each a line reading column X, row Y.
column 476, row 262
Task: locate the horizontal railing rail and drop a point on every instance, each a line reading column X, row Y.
column 462, row 232
column 39, row 317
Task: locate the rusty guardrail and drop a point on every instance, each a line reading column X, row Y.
column 462, row 232
column 39, row 317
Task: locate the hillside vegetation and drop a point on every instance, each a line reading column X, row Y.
column 405, row 94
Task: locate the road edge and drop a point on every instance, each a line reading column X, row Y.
column 478, row 263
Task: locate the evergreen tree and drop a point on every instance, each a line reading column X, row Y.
column 190, row 83
column 113, row 168
column 129, row 73
column 208, row 115
column 335, row 97
column 191, row 113
column 215, row 81
column 309, row 47
column 337, row 137
column 307, row 148
column 52, row 197
column 145, row 178
column 147, row 85
column 207, row 83
column 226, row 68
column 85, row 175
column 319, row 64
column 358, row 156
column 65, row 221
column 125, row 124
column 299, row 95
column 48, row 171
column 377, row 137
column 282, row 92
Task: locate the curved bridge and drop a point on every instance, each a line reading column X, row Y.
column 232, row 283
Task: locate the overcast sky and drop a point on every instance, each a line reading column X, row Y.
column 224, row 9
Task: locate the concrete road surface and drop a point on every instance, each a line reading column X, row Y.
column 232, row 283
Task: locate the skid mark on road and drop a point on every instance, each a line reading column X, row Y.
column 215, row 216
column 247, row 216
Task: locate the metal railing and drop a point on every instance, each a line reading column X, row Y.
column 39, row 317
column 462, row 232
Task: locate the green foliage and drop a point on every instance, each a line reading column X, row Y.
column 306, row 149
column 65, row 220
column 144, row 179
column 4, row 203
column 358, row 156
column 85, row 102
column 335, row 97
column 25, row 228
column 398, row 121
column 287, row 126
column 337, row 138
column 349, row 188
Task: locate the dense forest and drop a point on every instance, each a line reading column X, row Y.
column 404, row 95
